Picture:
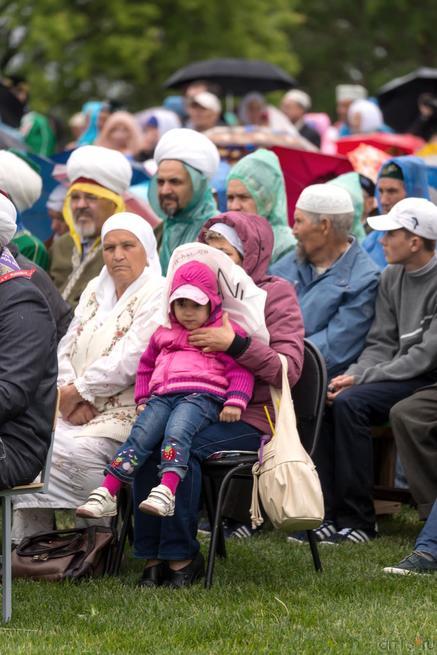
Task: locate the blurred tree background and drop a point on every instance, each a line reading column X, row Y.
column 75, row 50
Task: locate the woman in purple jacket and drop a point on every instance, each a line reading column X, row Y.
column 169, row 545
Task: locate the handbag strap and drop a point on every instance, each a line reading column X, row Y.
column 49, row 543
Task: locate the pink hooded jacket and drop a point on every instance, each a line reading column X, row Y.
column 282, row 315
column 172, row 365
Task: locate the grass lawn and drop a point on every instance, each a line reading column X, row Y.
column 266, row 599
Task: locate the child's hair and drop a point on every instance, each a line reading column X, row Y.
column 211, row 235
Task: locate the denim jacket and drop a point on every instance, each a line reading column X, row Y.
column 337, row 306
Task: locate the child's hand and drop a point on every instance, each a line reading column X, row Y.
column 230, row 414
column 140, row 408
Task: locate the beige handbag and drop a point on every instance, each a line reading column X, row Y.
column 285, row 477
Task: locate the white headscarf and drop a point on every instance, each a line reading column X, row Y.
column 8, row 219
column 105, row 290
column 189, row 147
column 19, row 180
column 370, row 115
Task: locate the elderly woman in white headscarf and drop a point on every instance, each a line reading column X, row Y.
column 98, row 358
column 364, row 116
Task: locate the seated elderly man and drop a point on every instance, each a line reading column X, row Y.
column 400, row 357
column 28, row 366
column 99, row 177
column 179, row 192
column 336, row 282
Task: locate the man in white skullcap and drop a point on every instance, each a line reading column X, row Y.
column 400, row 358
column 22, row 183
column 180, row 191
column 295, row 104
column 335, row 280
column 98, row 179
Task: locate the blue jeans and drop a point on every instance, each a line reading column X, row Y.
column 174, row 537
column 170, row 421
column 427, row 539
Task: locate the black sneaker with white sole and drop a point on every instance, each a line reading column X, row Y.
column 323, row 534
column 353, row 536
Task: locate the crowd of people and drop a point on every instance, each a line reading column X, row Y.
column 158, row 363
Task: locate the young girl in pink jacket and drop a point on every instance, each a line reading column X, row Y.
column 179, row 391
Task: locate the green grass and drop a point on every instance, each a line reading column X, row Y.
column 266, row 599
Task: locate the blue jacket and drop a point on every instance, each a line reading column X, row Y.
column 416, row 186
column 337, row 306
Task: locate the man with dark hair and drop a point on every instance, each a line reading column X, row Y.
column 398, row 178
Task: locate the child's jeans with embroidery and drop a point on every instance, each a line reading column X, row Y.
column 173, row 419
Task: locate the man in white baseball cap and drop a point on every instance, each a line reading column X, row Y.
column 204, row 110
column 400, row 357
column 416, row 215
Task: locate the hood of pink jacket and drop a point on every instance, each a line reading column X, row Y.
column 201, row 276
column 256, row 236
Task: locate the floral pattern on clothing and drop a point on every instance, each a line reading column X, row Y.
column 123, row 324
column 126, row 460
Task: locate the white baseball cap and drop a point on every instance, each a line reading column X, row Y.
column 416, row 215
column 191, row 292
column 207, row 100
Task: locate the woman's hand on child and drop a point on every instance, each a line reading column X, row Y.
column 141, row 408
column 230, row 414
column 213, row 339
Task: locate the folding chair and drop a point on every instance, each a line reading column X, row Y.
column 220, row 468
column 5, row 495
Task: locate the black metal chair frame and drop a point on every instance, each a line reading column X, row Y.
column 220, row 468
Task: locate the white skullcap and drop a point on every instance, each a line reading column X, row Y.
column 325, row 199
column 350, row 92
column 207, row 100
column 55, row 201
column 18, row 179
column 300, row 97
column 230, row 234
column 108, row 168
column 8, row 220
column 189, row 147
column 141, row 229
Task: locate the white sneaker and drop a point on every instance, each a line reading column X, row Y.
column 159, row 502
column 100, row 503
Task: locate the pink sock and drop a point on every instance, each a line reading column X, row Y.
column 171, row 480
column 112, row 484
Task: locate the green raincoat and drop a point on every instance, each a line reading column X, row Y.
column 261, row 174
column 184, row 226
column 351, row 183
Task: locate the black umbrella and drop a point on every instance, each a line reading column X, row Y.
column 398, row 98
column 234, row 76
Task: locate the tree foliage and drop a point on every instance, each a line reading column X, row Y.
column 73, row 50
